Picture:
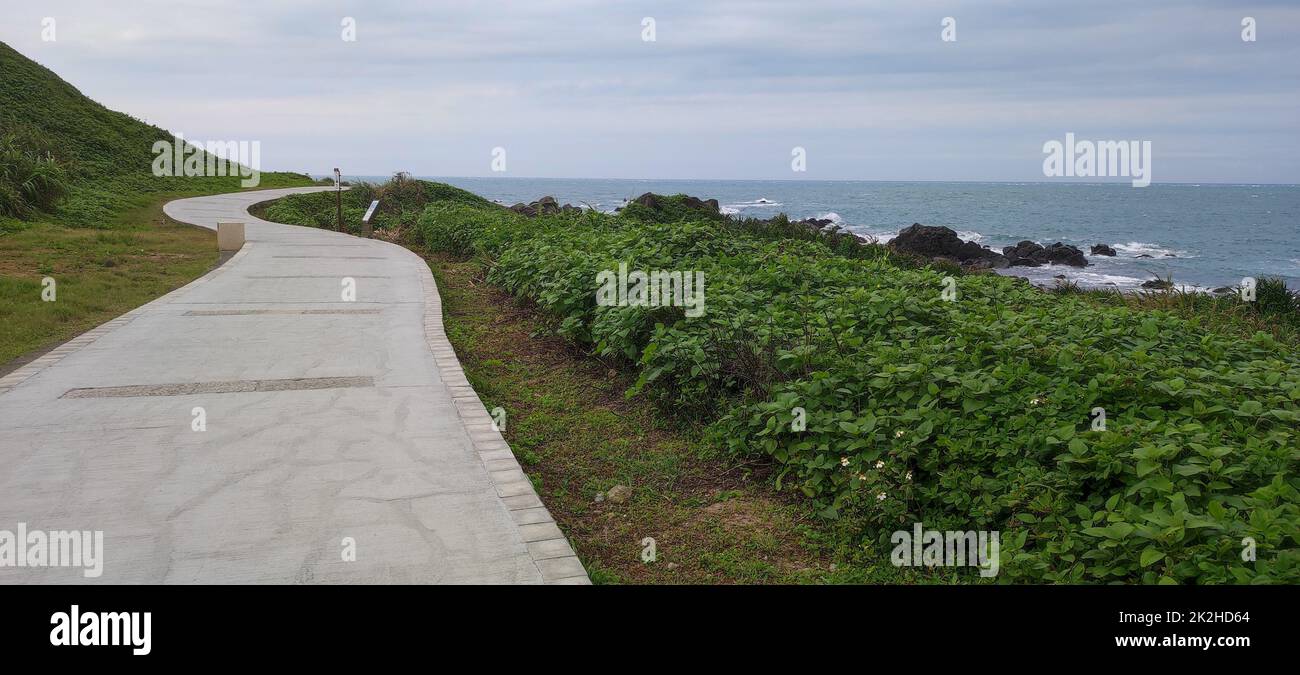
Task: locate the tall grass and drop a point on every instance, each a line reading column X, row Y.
column 31, row 178
column 1275, row 309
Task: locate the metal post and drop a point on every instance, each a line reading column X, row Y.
column 338, row 199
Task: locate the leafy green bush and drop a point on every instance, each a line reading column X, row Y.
column 401, row 201
column 975, row 414
column 669, row 209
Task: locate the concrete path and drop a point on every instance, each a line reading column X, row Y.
column 328, row 422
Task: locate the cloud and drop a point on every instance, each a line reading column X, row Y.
column 727, row 88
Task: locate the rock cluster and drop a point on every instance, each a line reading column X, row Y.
column 651, row 200
column 546, row 206
column 1032, row 254
column 942, row 243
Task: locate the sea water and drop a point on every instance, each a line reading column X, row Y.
column 1203, row 236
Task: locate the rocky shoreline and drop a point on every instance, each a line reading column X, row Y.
column 933, row 242
column 942, row 244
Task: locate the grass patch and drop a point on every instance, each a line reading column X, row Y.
column 1276, row 310
column 100, row 274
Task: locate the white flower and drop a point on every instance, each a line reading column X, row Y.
column 909, row 475
column 862, row 477
column 844, row 461
column 880, row 497
column 880, row 464
column 898, row 434
column 1036, row 401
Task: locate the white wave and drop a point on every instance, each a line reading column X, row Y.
column 1103, row 279
column 831, row 216
column 1136, row 248
column 1047, row 274
column 727, row 210
column 759, row 203
column 885, row 236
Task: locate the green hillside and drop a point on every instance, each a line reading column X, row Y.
column 99, row 158
column 79, row 203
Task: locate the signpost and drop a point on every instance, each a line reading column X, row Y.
column 366, row 230
column 338, row 199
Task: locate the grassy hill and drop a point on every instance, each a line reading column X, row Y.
column 79, row 203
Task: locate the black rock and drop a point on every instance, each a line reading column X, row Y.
column 935, row 241
column 987, row 263
column 1029, row 254
column 1160, row 284
column 1102, row 249
column 1141, row 255
column 546, row 206
column 1064, row 254
column 928, row 240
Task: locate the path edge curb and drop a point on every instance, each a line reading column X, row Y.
column 547, row 546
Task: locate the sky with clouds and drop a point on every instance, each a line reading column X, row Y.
column 727, row 88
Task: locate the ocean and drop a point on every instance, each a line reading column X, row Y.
column 1203, row 236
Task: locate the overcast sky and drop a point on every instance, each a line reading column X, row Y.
column 570, row 89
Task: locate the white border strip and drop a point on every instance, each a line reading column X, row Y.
column 547, row 545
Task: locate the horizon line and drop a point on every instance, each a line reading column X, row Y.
column 827, row 180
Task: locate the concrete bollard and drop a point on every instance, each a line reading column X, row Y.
column 230, row 236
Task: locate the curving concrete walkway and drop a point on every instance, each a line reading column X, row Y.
column 327, row 422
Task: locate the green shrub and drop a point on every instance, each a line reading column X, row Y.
column 975, row 414
column 402, row 200
column 669, row 209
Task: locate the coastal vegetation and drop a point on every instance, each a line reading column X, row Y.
column 1108, row 439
